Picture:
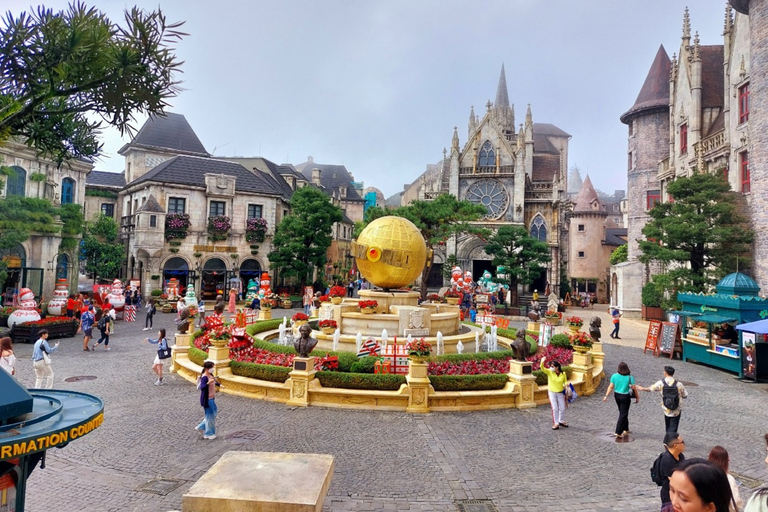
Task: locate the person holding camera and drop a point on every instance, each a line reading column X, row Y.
column 207, row 385
column 556, row 382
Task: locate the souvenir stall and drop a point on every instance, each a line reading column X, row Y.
column 708, row 325
column 754, row 349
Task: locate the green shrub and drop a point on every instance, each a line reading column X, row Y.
column 264, row 325
column 561, row 341
column 381, row 382
column 197, row 356
column 364, row 365
column 156, row 293
column 468, row 382
column 652, row 295
column 266, row 372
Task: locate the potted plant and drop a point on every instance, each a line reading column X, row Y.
column 574, row 323
column 367, row 306
column 581, row 342
column 419, row 350
column 553, row 317
column 268, row 303
column 652, row 295
column 327, row 326
column 453, row 297
column 434, row 298
column 285, row 301
column 299, row 319
column 337, row 294
column 255, row 229
column 324, row 298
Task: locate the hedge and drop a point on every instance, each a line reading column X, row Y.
column 382, row 382
column 266, row 372
column 365, row 364
column 264, row 325
column 468, row 382
column 197, row 356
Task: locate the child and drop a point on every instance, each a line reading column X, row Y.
column 472, row 314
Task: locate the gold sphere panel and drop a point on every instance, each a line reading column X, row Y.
column 398, row 248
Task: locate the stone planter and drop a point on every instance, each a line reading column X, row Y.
column 28, row 333
column 453, row 301
column 418, row 359
column 367, row 311
column 574, row 329
column 337, row 300
column 328, row 330
column 299, row 323
column 581, row 349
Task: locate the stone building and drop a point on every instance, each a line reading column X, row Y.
column 691, row 115
column 518, row 174
column 593, row 237
column 37, row 262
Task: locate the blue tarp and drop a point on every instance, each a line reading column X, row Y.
column 759, row 327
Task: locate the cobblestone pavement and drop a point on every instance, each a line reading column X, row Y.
column 388, row 460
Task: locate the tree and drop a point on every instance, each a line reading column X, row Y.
column 438, row 220
column 520, row 254
column 102, row 251
column 697, row 236
column 57, row 68
column 303, row 237
column 620, row 254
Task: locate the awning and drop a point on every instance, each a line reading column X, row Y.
column 684, row 313
column 714, row 319
column 759, row 327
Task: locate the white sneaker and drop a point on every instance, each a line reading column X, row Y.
column 200, row 429
column 161, row 383
column 108, row 349
column 210, row 437
column 145, row 329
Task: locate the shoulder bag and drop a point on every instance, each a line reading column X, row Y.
column 164, row 352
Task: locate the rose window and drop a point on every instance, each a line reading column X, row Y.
column 491, row 194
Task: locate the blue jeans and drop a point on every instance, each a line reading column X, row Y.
column 209, row 421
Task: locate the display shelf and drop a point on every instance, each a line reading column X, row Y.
column 724, row 354
column 697, row 341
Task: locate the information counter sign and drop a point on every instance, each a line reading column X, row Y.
column 652, row 339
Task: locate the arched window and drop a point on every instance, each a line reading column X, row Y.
column 17, row 181
column 539, row 229
column 67, row 191
column 487, row 156
column 62, row 266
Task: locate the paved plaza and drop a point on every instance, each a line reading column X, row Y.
column 387, row 460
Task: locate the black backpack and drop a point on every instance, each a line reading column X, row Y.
column 102, row 325
column 670, row 396
column 656, row 471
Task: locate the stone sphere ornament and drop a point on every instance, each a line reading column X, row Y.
column 390, row 252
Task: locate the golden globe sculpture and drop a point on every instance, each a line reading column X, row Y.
column 390, row 252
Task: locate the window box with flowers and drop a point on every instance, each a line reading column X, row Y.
column 176, row 225
column 419, row 350
column 327, row 326
column 299, row 319
column 218, row 227
column 367, row 306
column 255, row 229
column 337, row 294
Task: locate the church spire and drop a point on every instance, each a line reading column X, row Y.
column 686, row 27
column 502, row 95
column 455, row 141
column 472, row 122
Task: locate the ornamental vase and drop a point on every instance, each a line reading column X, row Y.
column 453, row 301
column 581, row 349
column 299, row 323
column 574, row 329
column 216, row 342
column 327, row 330
column 418, row 359
column 366, row 311
column 337, row 300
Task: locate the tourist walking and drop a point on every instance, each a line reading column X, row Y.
column 41, row 361
column 162, row 350
column 151, row 310
column 207, row 385
column 699, row 486
column 309, row 296
column 719, row 457
column 71, row 302
column 623, row 387
column 671, row 392
column 232, row 307
column 106, row 326
column 615, row 317
column 7, row 358
column 87, row 319
column 556, row 382
column 758, row 502
column 674, row 446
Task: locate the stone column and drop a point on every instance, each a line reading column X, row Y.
column 300, row 380
column 418, row 387
column 521, row 374
column 582, row 371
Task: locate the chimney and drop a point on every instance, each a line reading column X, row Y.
column 316, row 176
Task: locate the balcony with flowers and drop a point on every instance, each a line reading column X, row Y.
column 255, row 230
column 218, row 227
column 176, row 226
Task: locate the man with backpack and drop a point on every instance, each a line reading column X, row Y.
column 665, row 465
column 671, row 392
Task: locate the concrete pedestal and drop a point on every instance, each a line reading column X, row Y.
column 300, row 378
column 181, row 346
column 583, row 369
column 265, row 314
column 418, row 387
column 521, row 374
column 264, row 482
column 220, row 356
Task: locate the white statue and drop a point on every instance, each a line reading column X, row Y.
column 440, row 346
column 459, row 347
column 336, row 336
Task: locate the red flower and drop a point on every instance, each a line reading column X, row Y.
column 299, row 317
column 327, row 323
column 367, row 304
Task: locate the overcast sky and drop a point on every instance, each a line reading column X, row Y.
column 379, row 85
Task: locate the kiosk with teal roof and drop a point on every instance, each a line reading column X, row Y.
column 709, row 320
column 32, row 422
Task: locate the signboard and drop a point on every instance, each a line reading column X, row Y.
column 546, row 330
column 748, row 359
column 669, row 339
column 652, row 338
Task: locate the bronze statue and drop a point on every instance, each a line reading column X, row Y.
column 521, row 347
column 305, row 343
column 594, row 328
column 535, row 313
column 183, row 322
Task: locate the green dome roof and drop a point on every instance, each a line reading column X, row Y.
column 738, row 284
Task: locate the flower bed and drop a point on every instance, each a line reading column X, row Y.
column 470, row 367
column 561, row 355
column 58, row 327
